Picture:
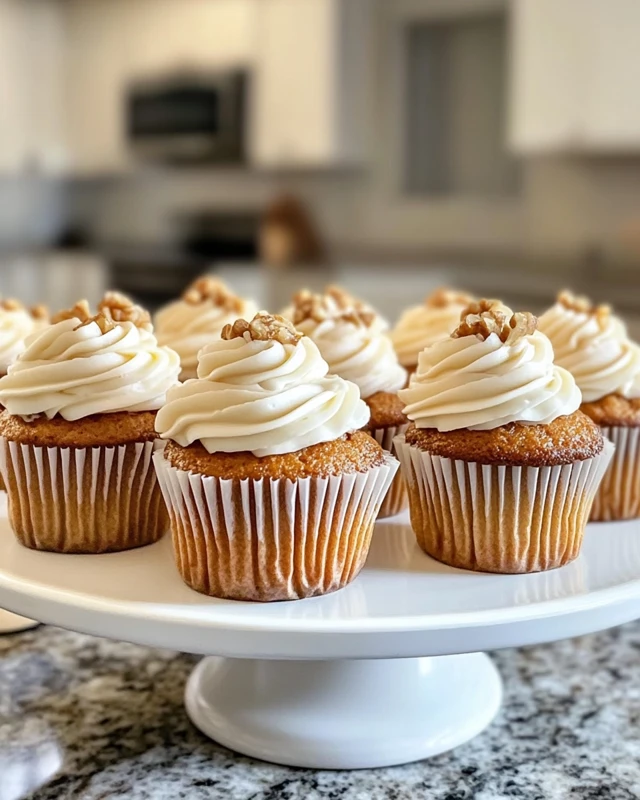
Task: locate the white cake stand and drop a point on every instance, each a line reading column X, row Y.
column 383, row 672
column 12, row 623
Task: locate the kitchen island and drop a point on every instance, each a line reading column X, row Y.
column 87, row 719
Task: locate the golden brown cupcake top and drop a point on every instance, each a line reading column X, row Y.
column 354, row 452
column 613, row 410
column 563, row 441
column 387, row 411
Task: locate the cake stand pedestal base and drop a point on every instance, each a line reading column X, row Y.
column 344, row 714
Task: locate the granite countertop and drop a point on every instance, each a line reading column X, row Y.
column 87, row 718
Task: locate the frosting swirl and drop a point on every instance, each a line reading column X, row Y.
column 594, row 346
column 484, row 383
column 421, row 326
column 261, row 396
column 187, row 327
column 77, row 368
column 16, row 325
column 357, row 352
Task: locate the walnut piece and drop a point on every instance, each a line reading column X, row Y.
column 120, row 308
column 80, row 311
column 491, row 318
column 319, row 307
column 11, row 304
column 208, row 289
column 582, row 305
column 482, row 306
column 104, row 322
column 444, row 297
column 40, row 312
column 263, row 327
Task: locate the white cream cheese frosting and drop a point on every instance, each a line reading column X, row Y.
column 486, row 377
column 16, row 325
column 188, row 324
column 421, row 326
column 262, row 396
column 594, row 346
column 357, row 352
column 76, row 368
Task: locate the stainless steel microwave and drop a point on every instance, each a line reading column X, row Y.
column 188, row 117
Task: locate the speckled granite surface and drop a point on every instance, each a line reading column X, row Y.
column 92, row 719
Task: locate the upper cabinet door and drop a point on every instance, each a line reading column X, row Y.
column 574, row 75
column 311, row 81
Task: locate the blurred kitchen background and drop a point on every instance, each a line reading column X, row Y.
column 392, row 145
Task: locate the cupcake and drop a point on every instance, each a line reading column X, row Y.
column 421, row 326
column 77, row 434
column 594, row 346
column 17, row 324
column 272, row 488
column 337, row 300
column 358, row 351
column 188, row 324
column 500, row 464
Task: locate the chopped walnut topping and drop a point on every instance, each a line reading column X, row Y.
column 307, row 305
column 342, row 298
column 40, row 312
column 582, row 305
column 493, row 319
column 482, row 306
column 80, row 311
column 263, row 328
column 120, row 308
column 11, row 304
column 442, row 298
column 104, row 322
column 208, row 289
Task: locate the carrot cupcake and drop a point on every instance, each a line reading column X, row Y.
column 421, row 326
column 593, row 344
column 271, row 486
column 188, row 324
column 77, row 435
column 501, row 466
column 358, row 351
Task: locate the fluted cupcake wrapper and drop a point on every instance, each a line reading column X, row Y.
column 272, row 539
column 83, row 500
column 619, row 494
column 498, row 518
column 396, row 499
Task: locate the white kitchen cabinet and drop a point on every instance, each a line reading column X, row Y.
column 99, row 43
column 575, row 73
column 311, row 83
column 31, row 48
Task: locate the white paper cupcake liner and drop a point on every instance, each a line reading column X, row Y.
column 396, row 499
column 619, row 494
column 271, row 539
column 498, row 518
column 83, row 500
